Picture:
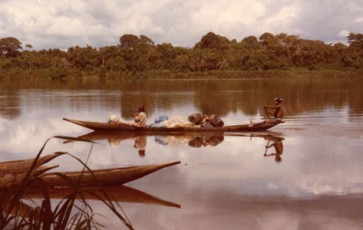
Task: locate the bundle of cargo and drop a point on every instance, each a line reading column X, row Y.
column 205, row 120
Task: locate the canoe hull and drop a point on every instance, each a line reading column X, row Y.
column 104, row 126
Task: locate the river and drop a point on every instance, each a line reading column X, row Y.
column 231, row 181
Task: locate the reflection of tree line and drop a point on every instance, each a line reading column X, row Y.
column 10, row 104
column 217, row 97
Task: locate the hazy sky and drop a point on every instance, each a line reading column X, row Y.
column 63, row 24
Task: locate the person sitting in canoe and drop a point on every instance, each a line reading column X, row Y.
column 276, row 111
column 139, row 118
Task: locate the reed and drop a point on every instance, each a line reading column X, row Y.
column 72, row 212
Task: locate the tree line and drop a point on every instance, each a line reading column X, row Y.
column 136, row 55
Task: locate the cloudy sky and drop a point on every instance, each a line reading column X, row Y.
column 62, row 24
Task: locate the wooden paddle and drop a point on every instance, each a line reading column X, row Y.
column 266, row 111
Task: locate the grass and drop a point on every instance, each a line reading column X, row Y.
column 72, row 212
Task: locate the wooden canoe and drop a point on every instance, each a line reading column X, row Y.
column 19, row 166
column 102, row 177
column 13, row 179
column 104, row 126
column 12, row 173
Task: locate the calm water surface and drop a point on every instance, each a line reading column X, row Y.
column 223, row 182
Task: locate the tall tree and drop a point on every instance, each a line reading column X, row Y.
column 146, row 40
column 10, row 47
column 129, row 41
column 213, row 41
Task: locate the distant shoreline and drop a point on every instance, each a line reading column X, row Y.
column 165, row 75
column 250, row 74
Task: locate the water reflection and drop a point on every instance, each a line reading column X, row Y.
column 23, row 206
column 274, row 142
column 64, row 196
column 230, row 184
column 196, row 141
column 10, row 104
column 119, row 193
column 207, row 96
column 193, row 140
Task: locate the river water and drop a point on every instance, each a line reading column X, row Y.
column 231, row 181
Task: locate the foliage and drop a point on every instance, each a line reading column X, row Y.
column 138, row 55
column 10, row 47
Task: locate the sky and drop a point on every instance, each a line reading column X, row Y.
column 46, row 24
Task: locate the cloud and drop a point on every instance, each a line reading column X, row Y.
column 61, row 24
column 343, row 33
column 324, row 20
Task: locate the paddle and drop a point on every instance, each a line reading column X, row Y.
column 268, row 143
column 266, row 112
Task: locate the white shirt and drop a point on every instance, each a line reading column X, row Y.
column 140, row 119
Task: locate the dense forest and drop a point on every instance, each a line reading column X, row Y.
column 139, row 55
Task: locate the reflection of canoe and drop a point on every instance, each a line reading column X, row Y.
column 104, row 177
column 104, row 126
column 193, row 139
column 270, row 137
column 119, row 193
column 104, row 135
column 21, row 209
column 114, row 193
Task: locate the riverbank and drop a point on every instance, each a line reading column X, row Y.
column 65, row 74
column 229, row 74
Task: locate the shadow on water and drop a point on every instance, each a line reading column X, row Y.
column 33, row 198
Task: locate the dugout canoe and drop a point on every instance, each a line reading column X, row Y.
column 13, row 179
column 20, row 166
column 102, row 177
column 12, row 173
column 105, row 126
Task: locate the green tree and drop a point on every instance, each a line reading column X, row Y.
column 110, row 58
column 85, row 58
column 250, row 42
column 129, row 40
column 146, row 40
column 354, row 54
column 10, row 47
column 213, row 41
